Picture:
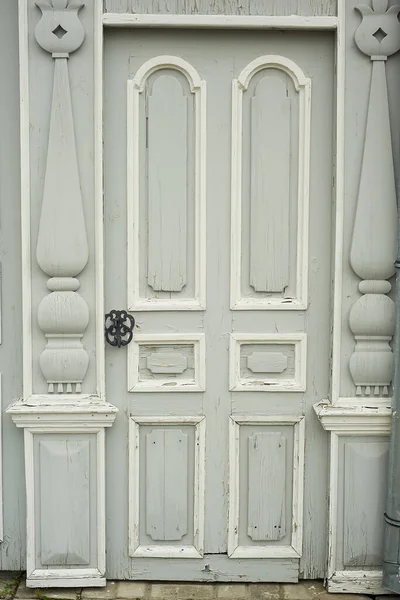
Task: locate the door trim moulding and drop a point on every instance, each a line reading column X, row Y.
column 218, row 21
column 302, row 86
column 136, row 549
column 360, row 581
column 136, row 88
column 268, row 384
column 294, row 550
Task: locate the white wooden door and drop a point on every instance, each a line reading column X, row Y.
column 218, row 186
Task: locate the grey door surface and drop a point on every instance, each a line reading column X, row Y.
column 218, row 193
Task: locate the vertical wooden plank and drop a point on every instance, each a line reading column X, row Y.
column 167, row 185
column 365, row 482
column 267, row 497
column 64, row 502
column 270, row 186
column 166, row 484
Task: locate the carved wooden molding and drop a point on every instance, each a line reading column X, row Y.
column 292, row 548
column 62, row 247
column 136, row 88
column 136, row 548
column 373, row 248
column 302, row 87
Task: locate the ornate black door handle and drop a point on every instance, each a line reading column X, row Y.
column 118, row 328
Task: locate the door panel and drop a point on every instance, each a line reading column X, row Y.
column 167, row 487
column 217, row 216
column 166, row 137
column 270, row 185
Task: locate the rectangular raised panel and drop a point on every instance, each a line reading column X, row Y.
column 364, row 503
column 166, row 486
column 64, row 502
column 267, row 489
column 266, row 462
column 167, row 185
column 65, row 509
column 166, row 363
column 166, row 154
column 361, row 488
column 268, row 363
column 160, row 362
column 270, row 186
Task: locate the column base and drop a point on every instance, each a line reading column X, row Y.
column 65, row 491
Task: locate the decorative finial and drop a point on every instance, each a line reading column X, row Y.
column 60, row 31
column 378, row 34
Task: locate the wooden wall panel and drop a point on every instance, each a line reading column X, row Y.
column 64, row 472
column 167, row 363
column 12, row 484
column 167, row 185
column 270, row 186
column 64, row 502
column 267, row 487
column 228, row 7
column 166, row 155
column 365, row 482
column 166, row 484
column 166, row 479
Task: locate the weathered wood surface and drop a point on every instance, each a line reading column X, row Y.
column 270, row 185
column 218, row 64
column 365, row 482
column 267, row 487
column 167, row 154
column 12, row 484
column 166, row 484
column 64, row 502
column 304, row 8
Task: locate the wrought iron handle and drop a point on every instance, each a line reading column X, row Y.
column 118, row 328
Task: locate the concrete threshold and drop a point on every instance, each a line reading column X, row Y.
column 139, row 590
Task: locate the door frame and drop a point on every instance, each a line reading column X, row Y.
column 347, row 410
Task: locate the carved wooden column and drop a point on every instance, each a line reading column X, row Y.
column 62, row 248
column 64, row 428
column 373, row 249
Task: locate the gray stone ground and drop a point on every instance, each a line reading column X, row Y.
column 12, row 586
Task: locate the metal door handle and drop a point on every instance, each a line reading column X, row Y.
column 118, row 328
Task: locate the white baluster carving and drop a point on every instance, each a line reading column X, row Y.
column 373, row 249
column 62, row 247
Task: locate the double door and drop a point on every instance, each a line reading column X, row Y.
column 218, row 192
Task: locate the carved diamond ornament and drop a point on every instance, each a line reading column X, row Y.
column 379, row 34
column 59, row 32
